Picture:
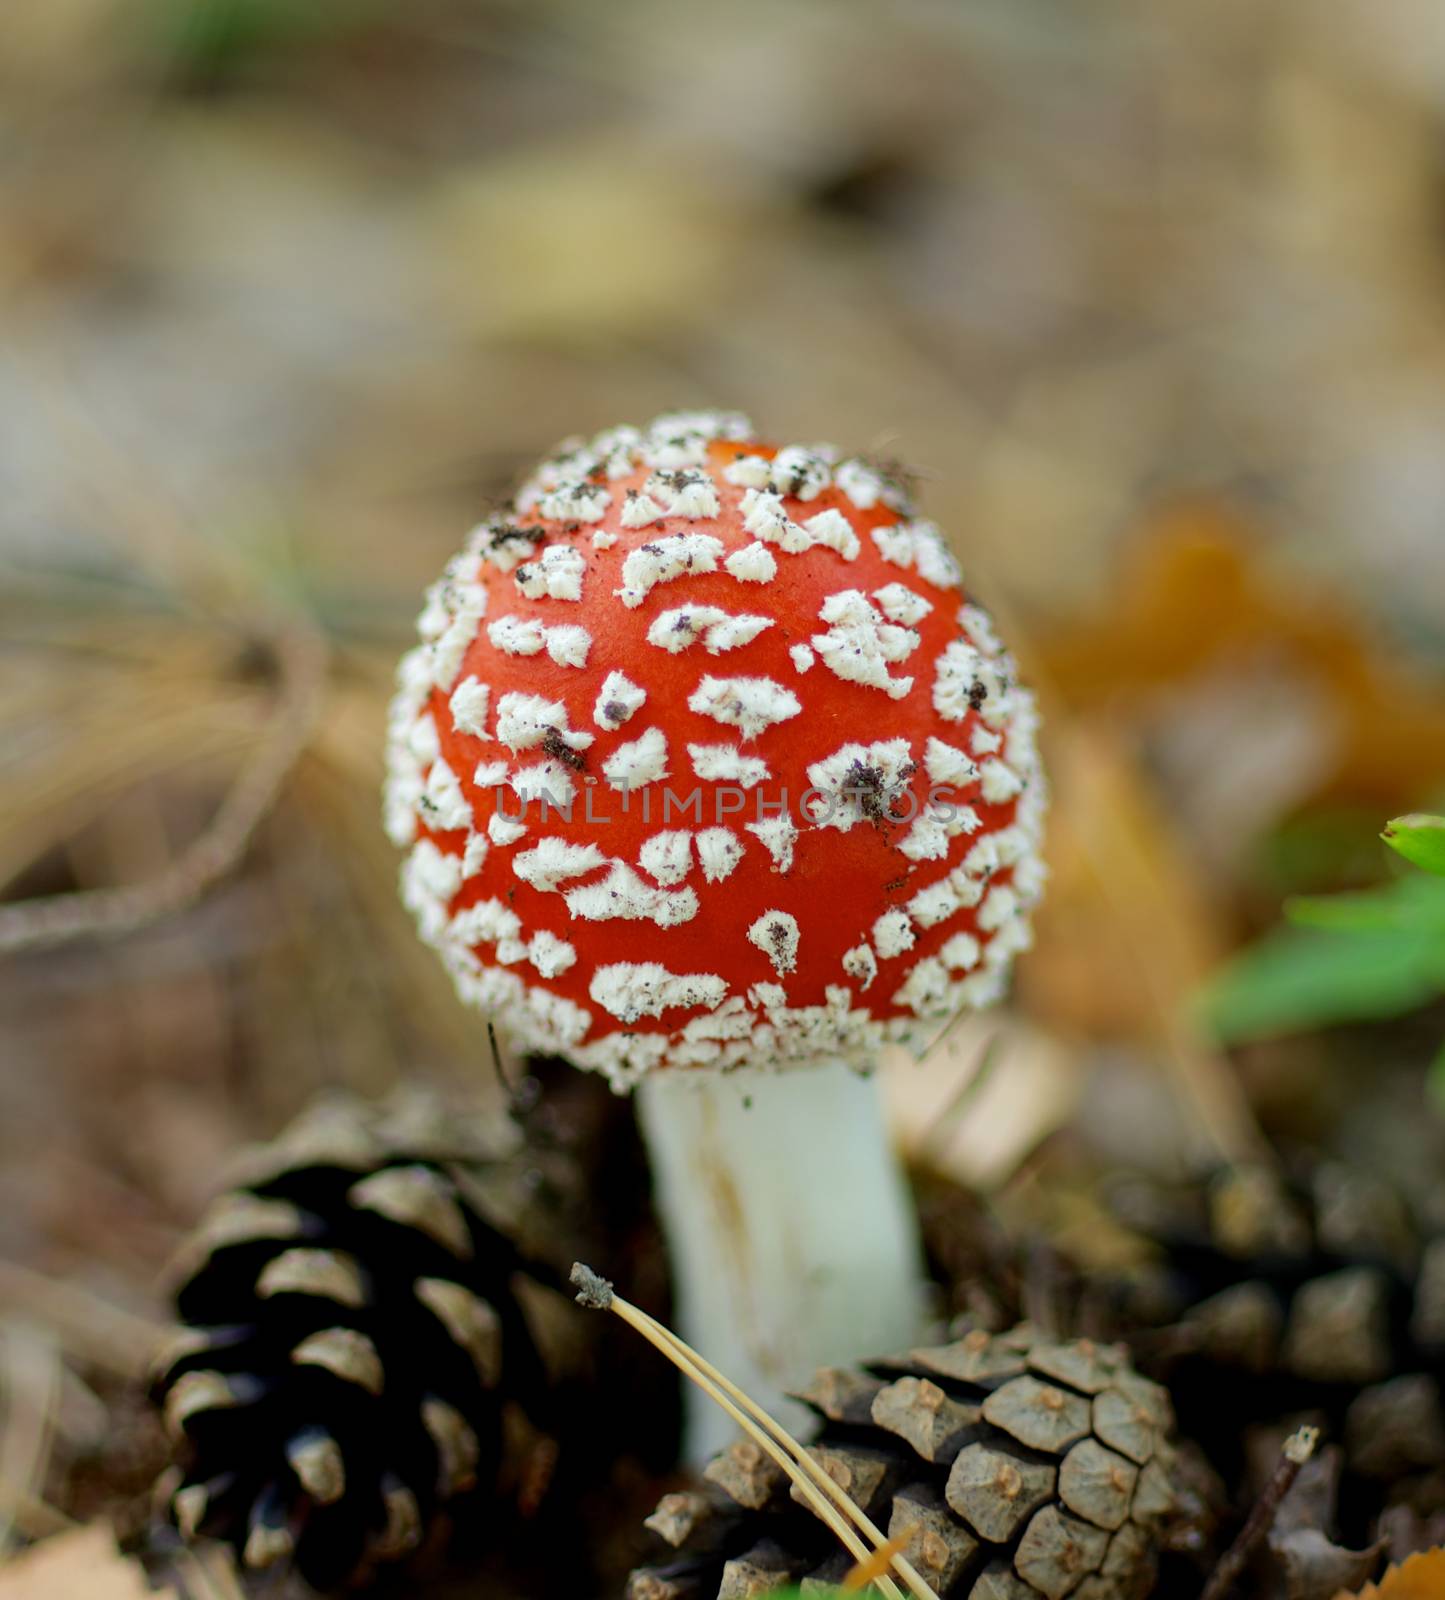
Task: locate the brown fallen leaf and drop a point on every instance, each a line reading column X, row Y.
column 1194, row 597
column 84, row 1562
column 1421, row 1577
column 1127, row 932
column 951, row 1115
column 1312, row 1565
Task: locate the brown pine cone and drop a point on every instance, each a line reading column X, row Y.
column 367, row 1346
column 1017, row 1466
column 1276, row 1295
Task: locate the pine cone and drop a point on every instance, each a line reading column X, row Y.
column 1017, row 1467
column 1275, row 1297
column 363, row 1342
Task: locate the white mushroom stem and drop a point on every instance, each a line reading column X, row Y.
column 793, row 1239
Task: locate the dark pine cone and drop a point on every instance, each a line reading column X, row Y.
column 362, row 1344
column 1276, row 1296
column 1017, row 1467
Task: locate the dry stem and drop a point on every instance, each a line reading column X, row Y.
column 1297, row 1449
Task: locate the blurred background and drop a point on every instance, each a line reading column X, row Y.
column 1152, row 301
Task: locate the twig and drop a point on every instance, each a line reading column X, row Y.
column 44, row 923
column 1043, row 1288
column 81, row 1323
column 1297, row 1449
column 809, row 1479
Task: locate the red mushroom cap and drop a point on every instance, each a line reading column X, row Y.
column 793, row 802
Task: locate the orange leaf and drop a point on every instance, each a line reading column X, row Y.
column 1127, row 933
column 1193, row 598
column 1420, row 1577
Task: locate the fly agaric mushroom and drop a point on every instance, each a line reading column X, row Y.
column 707, row 769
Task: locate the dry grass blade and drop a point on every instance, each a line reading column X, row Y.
column 80, row 1323
column 810, row 1481
column 30, row 1377
column 86, row 775
column 45, row 923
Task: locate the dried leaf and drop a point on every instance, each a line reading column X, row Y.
column 1195, row 597
column 1316, row 1568
column 1313, row 1566
column 1421, row 1577
column 953, row 1116
column 85, row 1562
column 1127, row 933
column 657, row 243
column 1127, row 930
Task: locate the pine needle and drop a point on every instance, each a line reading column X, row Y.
column 59, row 919
column 865, row 1525
column 809, row 1479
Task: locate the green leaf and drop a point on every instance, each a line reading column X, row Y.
column 1435, row 1081
column 1335, row 845
column 1300, row 978
column 1420, row 839
column 207, row 41
column 1410, row 903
